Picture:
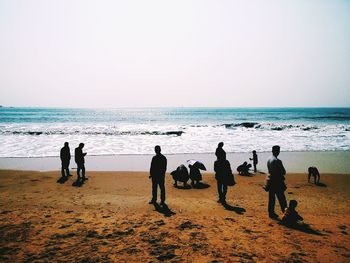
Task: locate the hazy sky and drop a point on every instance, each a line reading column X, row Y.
column 174, row 53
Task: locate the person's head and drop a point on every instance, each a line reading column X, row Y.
column 293, row 203
column 66, row 144
column 157, row 149
column 81, row 145
column 275, row 150
column 220, row 144
column 245, row 163
column 254, row 152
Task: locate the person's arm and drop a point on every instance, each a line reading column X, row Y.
column 281, row 167
column 229, row 167
column 151, row 168
column 61, row 154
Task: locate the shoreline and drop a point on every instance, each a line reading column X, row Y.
column 294, row 162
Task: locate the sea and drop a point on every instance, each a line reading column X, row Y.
column 41, row 132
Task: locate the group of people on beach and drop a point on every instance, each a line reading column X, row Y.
column 79, row 159
column 275, row 181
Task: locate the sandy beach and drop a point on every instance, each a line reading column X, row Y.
column 109, row 219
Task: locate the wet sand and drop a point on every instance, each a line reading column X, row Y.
column 296, row 162
column 108, row 219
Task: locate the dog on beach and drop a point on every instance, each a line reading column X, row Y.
column 313, row 171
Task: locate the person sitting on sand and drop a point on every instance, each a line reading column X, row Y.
column 157, row 174
column 255, row 160
column 313, row 171
column 195, row 175
column 243, row 169
column 181, row 175
column 222, row 170
column 65, row 160
column 80, row 160
column 290, row 216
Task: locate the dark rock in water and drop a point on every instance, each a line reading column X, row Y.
column 243, row 124
column 178, row 133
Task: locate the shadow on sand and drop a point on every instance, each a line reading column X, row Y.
column 201, row 185
column 306, row 228
column 183, row 187
column 321, row 184
column 62, row 180
column 79, row 182
column 165, row 210
column 236, row 209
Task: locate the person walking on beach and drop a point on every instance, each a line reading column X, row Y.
column 65, row 160
column 157, row 174
column 276, row 182
column 80, row 160
column 222, row 170
column 255, row 160
column 219, row 149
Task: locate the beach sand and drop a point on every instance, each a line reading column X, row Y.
column 109, row 219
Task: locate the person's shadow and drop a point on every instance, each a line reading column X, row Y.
column 165, row 210
column 321, row 184
column 183, row 187
column 303, row 227
column 62, row 179
column 79, row 182
column 236, row 209
column 201, row 185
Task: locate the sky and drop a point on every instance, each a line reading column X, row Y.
column 112, row 54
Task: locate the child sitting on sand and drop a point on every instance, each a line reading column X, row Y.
column 290, row 216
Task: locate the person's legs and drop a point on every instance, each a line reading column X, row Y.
column 282, row 200
column 62, row 171
column 219, row 185
column 318, row 178
column 154, row 190
column 162, row 190
column 83, row 171
column 255, row 168
column 271, row 203
column 78, row 171
column 224, row 192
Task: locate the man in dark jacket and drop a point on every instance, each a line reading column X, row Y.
column 157, row 174
column 222, row 170
column 65, row 160
column 276, row 182
column 80, row 160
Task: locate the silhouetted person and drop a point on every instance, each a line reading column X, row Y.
column 290, row 216
column 220, row 150
column 180, row 174
column 243, row 169
column 222, row 170
column 65, row 160
column 276, row 182
column 195, row 175
column 313, row 171
column 255, row 160
column 157, row 174
column 80, row 160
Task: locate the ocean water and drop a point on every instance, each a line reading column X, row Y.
column 40, row 132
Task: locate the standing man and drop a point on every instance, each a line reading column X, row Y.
column 277, row 185
column 80, row 160
column 255, row 160
column 65, row 160
column 219, row 150
column 157, row 174
column 222, row 170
